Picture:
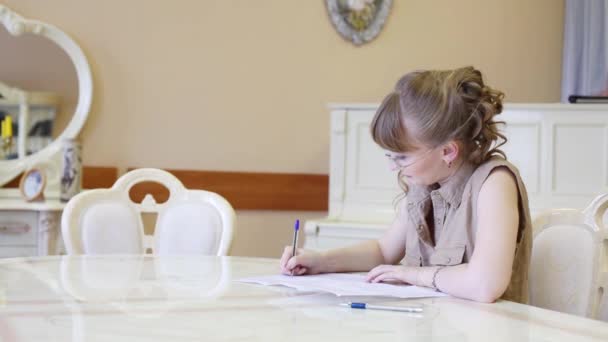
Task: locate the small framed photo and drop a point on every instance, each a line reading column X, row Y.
column 32, row 184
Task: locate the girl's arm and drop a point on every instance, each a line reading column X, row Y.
column 486, row 276
column 389, row 249
column 362, row 257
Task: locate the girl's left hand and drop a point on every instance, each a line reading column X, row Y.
column 391, row 273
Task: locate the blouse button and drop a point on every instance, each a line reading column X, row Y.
column 420, row 227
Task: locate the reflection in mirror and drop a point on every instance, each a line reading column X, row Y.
column 38, row 77
column 36, row 111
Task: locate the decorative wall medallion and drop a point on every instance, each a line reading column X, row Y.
column 358, row 21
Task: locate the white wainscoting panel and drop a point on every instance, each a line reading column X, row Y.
column 578, row 170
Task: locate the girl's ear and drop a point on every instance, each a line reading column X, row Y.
column 451, row 151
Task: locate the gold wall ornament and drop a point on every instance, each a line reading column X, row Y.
column 358, row 21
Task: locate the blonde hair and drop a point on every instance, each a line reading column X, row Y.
column 439, row 106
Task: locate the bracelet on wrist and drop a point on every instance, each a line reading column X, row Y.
column 434, row 282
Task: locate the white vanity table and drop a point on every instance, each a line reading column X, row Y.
column 561, row 151
column 32, row 228
column 28, row 229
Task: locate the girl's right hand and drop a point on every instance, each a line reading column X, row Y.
column 304, row 262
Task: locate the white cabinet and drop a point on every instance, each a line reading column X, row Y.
column 28, row 229
column 561, row 151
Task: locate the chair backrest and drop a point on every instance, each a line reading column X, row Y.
column 597, row 211
column 566, row 259
column 107, row 221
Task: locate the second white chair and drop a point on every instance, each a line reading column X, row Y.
column 106, row 221
column 567, row 259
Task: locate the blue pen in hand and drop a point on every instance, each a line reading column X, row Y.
column 296, row 229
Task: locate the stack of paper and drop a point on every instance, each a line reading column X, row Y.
column 344, row 284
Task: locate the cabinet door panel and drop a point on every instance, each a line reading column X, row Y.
column 18, row 227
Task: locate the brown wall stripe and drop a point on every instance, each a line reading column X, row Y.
column 252, row 191
column 244, row 190
column 14, row 183
column 92, row 177
column 98, row 177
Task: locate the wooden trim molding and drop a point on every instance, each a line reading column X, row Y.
column 92, row 177
column 250, row 190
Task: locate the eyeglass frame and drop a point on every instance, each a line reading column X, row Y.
column 394, row 159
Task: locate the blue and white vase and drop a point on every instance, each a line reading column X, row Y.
column 71, row 170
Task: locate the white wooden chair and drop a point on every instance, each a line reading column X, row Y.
column 106, row 221
column 567, row 255
column 599, row 206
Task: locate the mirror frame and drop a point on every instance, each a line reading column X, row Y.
column 50, row 155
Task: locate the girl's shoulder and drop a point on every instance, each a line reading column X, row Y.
column 483, row 171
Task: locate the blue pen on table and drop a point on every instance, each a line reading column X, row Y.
column 355, row 305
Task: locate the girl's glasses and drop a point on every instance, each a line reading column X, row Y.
column 404, row 161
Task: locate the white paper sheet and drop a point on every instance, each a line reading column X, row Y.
column 344, row 284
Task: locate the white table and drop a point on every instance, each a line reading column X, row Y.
column 145, row 298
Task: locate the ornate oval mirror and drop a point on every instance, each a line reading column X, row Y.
column 21, row 154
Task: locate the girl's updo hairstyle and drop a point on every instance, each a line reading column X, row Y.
column 439, row 106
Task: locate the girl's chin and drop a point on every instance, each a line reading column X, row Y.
column 414, row 181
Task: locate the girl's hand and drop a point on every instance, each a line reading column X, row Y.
column 392, row 273
column 305, row 262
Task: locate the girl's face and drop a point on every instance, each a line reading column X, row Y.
column 423, row 166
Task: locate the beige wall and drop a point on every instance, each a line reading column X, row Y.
column 242, row 85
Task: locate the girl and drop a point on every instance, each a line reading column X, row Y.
column 463, row 226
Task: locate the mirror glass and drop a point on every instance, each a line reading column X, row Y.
column 46, row 88
column 43, row 70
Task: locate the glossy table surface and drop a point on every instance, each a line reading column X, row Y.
column 195, row 298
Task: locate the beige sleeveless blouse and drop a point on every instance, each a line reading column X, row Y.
column 450, row 212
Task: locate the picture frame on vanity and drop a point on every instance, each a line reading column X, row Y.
column 32, row 184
